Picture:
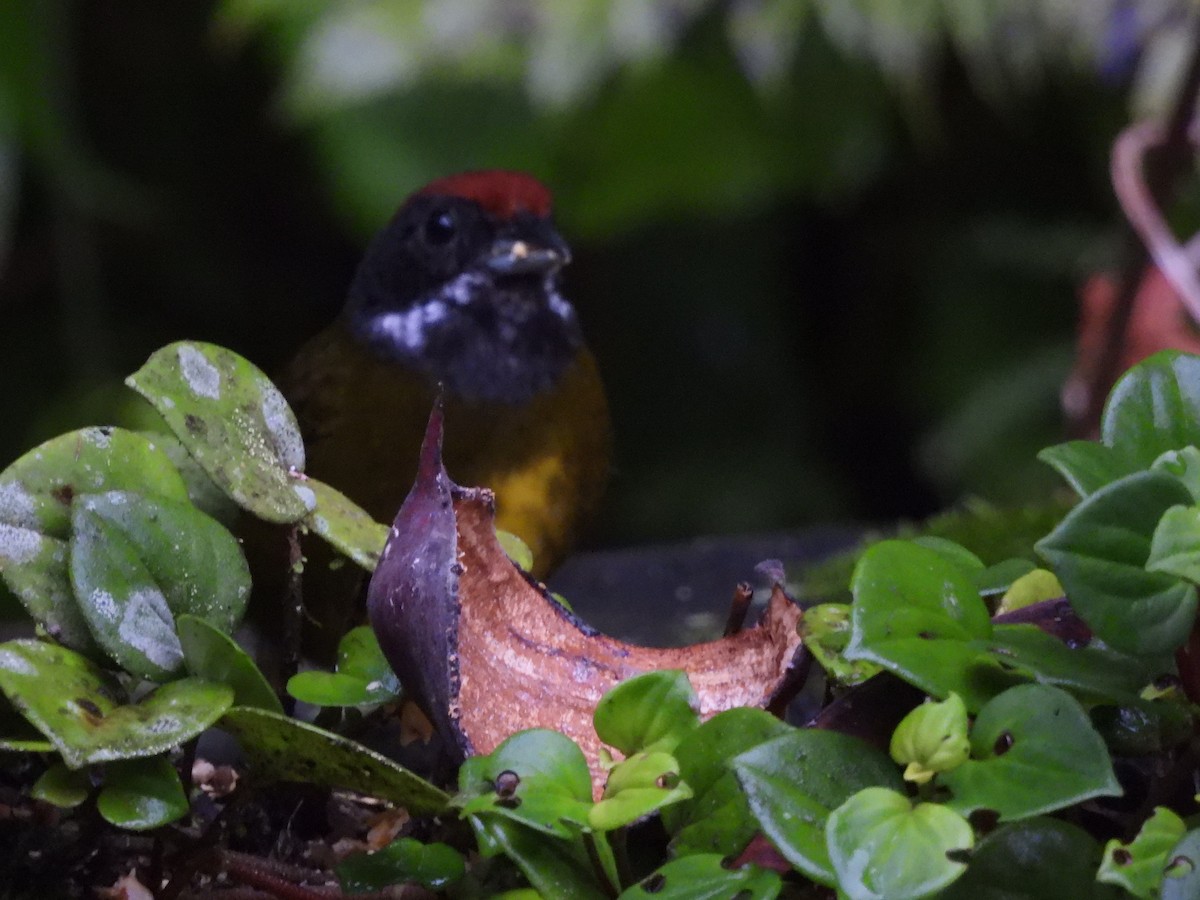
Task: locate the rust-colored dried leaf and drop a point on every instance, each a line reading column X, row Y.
column 486, row 652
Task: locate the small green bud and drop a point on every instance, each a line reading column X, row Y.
column 932, row 738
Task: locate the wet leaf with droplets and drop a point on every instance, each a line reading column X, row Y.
column 233, row 421
column 285, row 749
column 83, row 713
column 344, row 524
column 36, row 495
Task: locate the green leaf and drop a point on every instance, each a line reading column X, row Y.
column 328, row 689
column 1033, row 751
column 283, row 749
column 826, row 632
column 123, row 605
column 951, row 551
column 704, row 876
column 140, row 794
column 1183, row 464
column 204, row 494
column 792, row 784
column 215, row 656
column 881, row 845
column 34, row 567
column 233, row 422
column 1175, row 547
column 1099, row 553
column 403, row 861
column 345, row 525
column 35, row 509
column 908, row 614
column 918, row 615
column 557, row 869
column 537, row 778
column 36, row 491
column 363, row 675
column 1086, row 465
column 636, row 787
column 518, row 551
column 1153, row 408
column 1182, row 878
column 70, row 700
column 195, row 561
column 63, row 787
column 648, row 712
column 1138, row 866
column 360, row 656
column 1093, row 673
column 1034, row 859
column 717, row 819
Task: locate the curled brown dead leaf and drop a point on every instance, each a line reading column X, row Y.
column 485, row 651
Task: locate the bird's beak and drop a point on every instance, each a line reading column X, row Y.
column 535, row 250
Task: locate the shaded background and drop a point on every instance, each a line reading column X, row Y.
column 827, row 251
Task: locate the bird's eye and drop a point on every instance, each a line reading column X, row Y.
column 440, row 228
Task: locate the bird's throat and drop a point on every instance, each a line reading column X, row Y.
column 482, row 338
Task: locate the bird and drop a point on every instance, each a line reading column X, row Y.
column 460, row 294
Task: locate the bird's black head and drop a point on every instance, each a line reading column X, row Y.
column 463, row 285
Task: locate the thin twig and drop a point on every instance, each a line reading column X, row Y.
column 293, row 614
column 742, row 595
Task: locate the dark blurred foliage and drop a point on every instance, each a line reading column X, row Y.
column 826, row 253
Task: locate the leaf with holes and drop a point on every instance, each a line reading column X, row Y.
column 1181, row 881
column 537, row 778
column 1138, row 866
column 76, row 706
column 920, row 616
column 234, row 422
column 1033, row 750
column 638, row 786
